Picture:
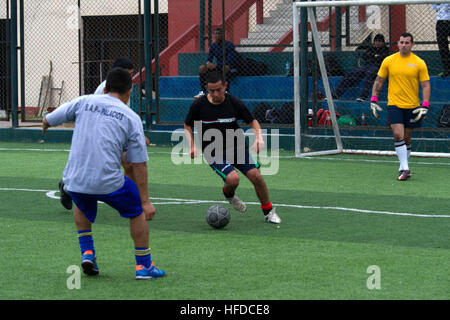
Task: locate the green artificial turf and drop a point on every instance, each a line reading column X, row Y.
column 341, row 215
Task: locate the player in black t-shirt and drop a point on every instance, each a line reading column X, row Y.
column 215, row 116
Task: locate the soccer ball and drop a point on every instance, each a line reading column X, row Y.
column 217, row 216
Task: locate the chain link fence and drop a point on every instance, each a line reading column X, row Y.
column 256, row 37
column 355, row 44
column 5, row 92
column 69, row 46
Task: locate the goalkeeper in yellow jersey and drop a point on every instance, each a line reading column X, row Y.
column 405, row 71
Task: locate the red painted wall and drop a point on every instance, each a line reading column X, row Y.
column 398, row 18
column 183, row 14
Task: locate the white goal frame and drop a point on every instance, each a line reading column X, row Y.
column 296, row 63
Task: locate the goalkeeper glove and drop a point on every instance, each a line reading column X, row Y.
column 421, row 111
column 374, row 106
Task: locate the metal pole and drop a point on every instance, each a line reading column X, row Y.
column 297, row 136
column 326, row 83
column 148, row 62
column 14, row 68
column 8, row 61
column 390, row 27
column 223, row 40
column 338, row 28
column 80, row 65
column 140, row 56
column 303, row 68
column 201, row 24
column 302, row 4
column 347, row 28
column 22, row 61
column 209, row 23
column 156, row 45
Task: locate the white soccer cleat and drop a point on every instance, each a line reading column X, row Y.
column 272, row 217
column 237, row 203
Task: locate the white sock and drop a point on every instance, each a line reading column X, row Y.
column 402, row 154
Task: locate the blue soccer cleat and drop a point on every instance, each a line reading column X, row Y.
column 89, row 263
column 151, row 272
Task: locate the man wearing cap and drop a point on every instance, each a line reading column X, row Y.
column 216, row 61
column 372, row 57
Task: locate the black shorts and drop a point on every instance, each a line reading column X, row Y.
column 223, row 167
column 404, row 116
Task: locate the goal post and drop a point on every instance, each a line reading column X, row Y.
column 356, row 131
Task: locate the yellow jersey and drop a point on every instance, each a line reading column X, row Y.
column 404, row 74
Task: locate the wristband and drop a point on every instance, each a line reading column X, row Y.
column 425, row 104
column 374, row 99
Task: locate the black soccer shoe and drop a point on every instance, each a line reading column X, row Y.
column 64, row 197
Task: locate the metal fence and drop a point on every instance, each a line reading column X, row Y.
column 66, row 48
column 69, row 46
column 5, row 97
column 355, row 44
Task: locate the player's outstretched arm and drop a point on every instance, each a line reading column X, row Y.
column 377, row 86
column 190, row 137
column 376, row 89
column 258, row 145
column 426, row 90
column 421, row 112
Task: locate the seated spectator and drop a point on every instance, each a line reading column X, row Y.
column 215, row 60
column 373, row 58
column 442, row 34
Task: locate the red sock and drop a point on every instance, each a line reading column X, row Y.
column 266, row 208
column 231, row 195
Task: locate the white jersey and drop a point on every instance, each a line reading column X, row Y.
column 100, row 88
column 104, row 128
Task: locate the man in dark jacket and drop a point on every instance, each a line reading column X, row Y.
column 215, row 60
column 373, row 57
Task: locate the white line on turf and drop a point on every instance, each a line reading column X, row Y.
column 277, row 157
column 177, row 201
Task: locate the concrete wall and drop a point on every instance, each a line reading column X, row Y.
column 51, row 34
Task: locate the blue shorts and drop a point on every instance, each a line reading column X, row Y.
column 223, row 168
column 126, row 201
column 404, row 116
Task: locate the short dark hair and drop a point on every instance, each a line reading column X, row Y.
column 406, row 35
column 118, row 81
column 124, row 63
column 214, row 76
column 378, row 37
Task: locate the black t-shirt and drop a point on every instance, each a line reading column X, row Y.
column 222, row 117
column 375, row 56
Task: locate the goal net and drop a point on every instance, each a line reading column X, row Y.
column 338, row 48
